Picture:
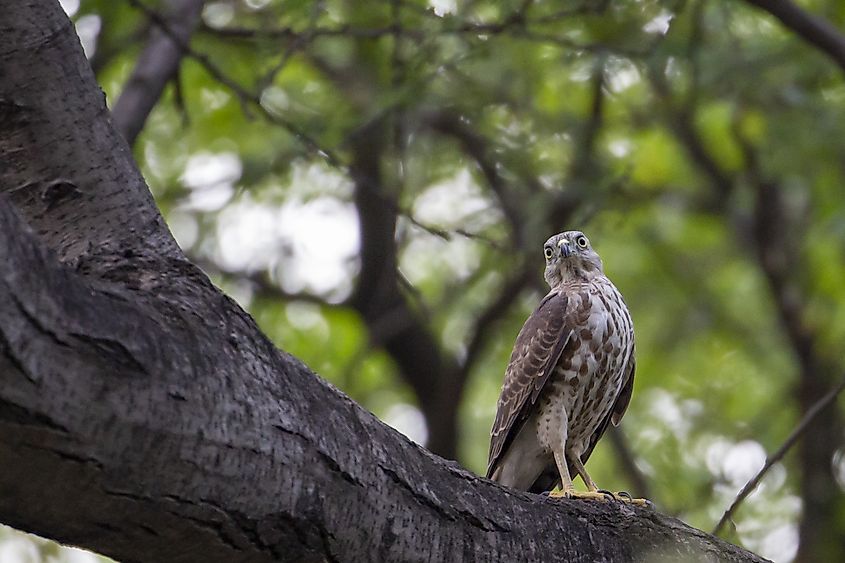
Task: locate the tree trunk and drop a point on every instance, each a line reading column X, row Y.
column 144, row 415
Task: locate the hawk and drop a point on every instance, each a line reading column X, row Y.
column 570, row 374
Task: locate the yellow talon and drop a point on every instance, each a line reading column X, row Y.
column 635, row 501
column 598, row 495
column 573, row 494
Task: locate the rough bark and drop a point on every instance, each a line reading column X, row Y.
column 144, row 415
column 50, row 135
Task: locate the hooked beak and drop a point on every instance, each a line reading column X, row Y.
column 565, row 249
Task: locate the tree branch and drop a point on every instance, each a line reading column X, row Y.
column 141, row 409
column 776, row 247
column 474, row 145
column 683, row 127
column 161, row 424
column 377, row 297
column 778, row 240
column 793, row 437
column 155, row 67
column 813, row 29
column 72, row 205
column 247, row 99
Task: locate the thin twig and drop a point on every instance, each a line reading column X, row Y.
column 813, row 29
column 309, row 35
column 246, row 98
column 448, row 234
column 818, row 407
column 515, row 26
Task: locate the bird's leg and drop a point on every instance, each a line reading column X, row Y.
column 558, row 447
column 567, row 490
column 593, row 492
column 566, row 487
column 582, row 471
column 623, row 496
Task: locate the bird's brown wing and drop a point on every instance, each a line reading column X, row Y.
column 535, row 354
column 618, row 410
column 621, row 404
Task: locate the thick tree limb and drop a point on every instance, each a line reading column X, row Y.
column 47, row 135
column 145, row 416
column 162, row 426
column 155, row 67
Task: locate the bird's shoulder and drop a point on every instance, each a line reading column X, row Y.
column 542, row 328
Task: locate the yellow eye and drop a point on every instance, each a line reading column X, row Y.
column 581, row 241
column 548, row 252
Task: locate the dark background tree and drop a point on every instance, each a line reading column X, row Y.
column 373, row 181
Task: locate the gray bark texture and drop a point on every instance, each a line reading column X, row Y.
column 143, row 414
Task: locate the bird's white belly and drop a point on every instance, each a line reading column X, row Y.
column 584, row 385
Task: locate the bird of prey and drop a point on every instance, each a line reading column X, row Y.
column 570, row 374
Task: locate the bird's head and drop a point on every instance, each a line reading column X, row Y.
column 569, row 255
